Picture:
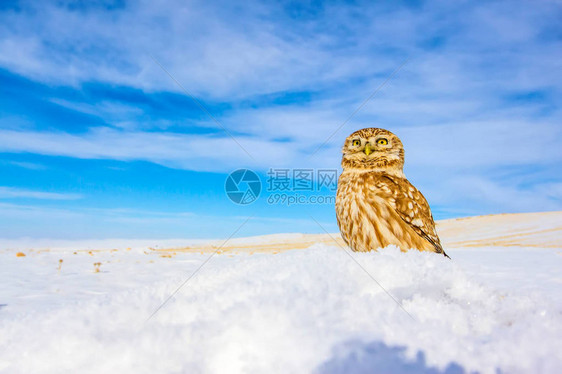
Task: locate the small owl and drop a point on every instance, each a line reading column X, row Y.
column 375, row 204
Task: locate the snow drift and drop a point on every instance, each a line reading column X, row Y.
column 315, row 310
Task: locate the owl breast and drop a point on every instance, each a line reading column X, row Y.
column 367, row 218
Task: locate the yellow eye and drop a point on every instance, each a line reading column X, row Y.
column 356, row 142
column 382, row 142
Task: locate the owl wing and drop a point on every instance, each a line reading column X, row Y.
column 410, row 205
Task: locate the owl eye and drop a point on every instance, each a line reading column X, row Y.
column 356, row 142
column 382, row 141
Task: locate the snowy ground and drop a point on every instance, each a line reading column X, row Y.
column 288, row 304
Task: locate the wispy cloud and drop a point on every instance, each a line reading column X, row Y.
column 193, row 152
column 24, row 164
column 470, row 144
column 221, row 50
column 14, row 193
column 71, row 223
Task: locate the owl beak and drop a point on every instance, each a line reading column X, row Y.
column 368, row 149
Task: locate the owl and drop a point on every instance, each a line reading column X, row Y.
column 375, row 204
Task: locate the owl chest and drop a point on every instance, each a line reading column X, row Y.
column 366, row 219
column 354, row 188
column 350, row 193
column 354, row 200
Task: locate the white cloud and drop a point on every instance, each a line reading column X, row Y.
column 221, row 50
column 478, row 193
column 193, row 152
column 12, row 192
column 209, row 52
column 467, row 145
column 19, row 221
column 224, row 52
column 24, row 164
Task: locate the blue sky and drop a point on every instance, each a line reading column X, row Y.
column 97, row 141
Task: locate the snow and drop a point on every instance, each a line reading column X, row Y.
column 496, row 306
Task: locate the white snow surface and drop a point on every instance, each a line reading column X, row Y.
column 495, row 308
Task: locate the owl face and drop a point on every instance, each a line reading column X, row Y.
column 373, row 148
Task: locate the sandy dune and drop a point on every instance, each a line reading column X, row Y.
column 504, row 230
column 501, row 230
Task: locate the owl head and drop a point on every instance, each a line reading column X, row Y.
column 373, row 149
